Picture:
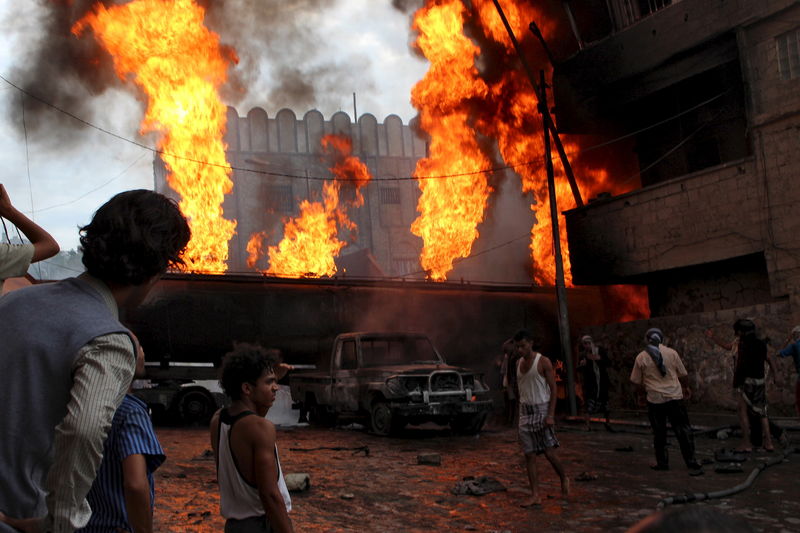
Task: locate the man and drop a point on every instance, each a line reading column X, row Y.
column 122, row 495
column 15, row 258
column 593, row 363
column 660, row 371
column 536, row 382
column 791, row 348
column 253, row 493
column 508, row 369
column 67, row 360
column 749, row 382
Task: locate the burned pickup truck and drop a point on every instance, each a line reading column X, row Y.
column 390, row 380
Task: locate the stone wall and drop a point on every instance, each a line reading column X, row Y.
column 710, row 367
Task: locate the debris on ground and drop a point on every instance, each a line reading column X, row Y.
column 586, row 476
column 477, row 486
column 432, row 459
column 297, row 482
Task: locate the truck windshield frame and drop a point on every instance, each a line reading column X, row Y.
column 398, row 351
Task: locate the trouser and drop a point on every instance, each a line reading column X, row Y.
column 254, row 524
column 675, row 412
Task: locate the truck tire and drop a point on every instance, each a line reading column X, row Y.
column 195, row 406
column 468, row 424
column 383, row 421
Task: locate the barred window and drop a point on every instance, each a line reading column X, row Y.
column 390, row 195
column 279, row 198
column 788, row 54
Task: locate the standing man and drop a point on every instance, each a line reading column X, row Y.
column 16, row 258
column 67, row 360
column 510, row 388
column 791, row 348
column 593, row 363
column 750, row 384
column 537, row 408
column 123, row 493
column 660, row 371
column 253, row 493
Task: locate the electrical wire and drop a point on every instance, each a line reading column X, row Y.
column 533, row 162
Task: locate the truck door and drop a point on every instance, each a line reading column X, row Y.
column 345, row 382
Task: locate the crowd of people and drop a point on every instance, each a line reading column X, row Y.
column 78, row 451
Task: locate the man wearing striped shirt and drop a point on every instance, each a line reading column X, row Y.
column 122, row 494
column 67, row 361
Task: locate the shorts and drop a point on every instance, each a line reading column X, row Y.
column 534, row 435
column 253, row 524
column 754, row 393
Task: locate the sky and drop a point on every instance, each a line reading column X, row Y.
column 348, row 46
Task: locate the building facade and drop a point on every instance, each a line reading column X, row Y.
column 710, row 92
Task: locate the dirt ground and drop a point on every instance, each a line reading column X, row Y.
column 387, row 491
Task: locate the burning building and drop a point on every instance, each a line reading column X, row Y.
column 278, row 162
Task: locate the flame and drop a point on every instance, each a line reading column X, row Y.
column 450, row 209
column 163, row 46
column 310, row 243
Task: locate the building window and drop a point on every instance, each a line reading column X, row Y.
column 280, row 198
column 788, row 54
column 390, row 195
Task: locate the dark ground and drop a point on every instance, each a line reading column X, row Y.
column 388, row 491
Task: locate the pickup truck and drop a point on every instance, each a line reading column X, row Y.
column 390, row 380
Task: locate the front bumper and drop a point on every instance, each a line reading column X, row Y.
column 434, row 409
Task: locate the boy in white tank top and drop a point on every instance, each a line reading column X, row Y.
column 537, row 385
column 253, row 493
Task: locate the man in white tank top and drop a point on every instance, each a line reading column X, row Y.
column 537, row 384
column 253, row 493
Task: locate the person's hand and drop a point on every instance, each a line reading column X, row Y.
column 687, row 393
column 281, row 369
column 550, row 421
column 26, row 525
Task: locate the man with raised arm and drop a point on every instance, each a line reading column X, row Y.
column 16, row 258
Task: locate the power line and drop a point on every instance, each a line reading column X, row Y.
column 536, row 161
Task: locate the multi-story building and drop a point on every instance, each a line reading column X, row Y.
column 709, row 91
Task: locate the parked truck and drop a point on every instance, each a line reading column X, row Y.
column 189, row 321
column 390, row 380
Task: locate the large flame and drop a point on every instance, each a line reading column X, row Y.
column 165, row 48
column 451, row 208
column 311, row 241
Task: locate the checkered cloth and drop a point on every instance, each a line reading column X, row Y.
column 755, row 395
column 534, row 435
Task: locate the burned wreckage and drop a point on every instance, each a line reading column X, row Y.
column 392, row 379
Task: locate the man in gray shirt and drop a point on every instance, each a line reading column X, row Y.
column 68, row 361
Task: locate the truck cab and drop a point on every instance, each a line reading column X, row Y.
column 391, row 379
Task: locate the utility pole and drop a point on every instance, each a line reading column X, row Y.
column 548, row 129
column 561, row 289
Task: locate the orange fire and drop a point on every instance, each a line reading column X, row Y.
column 311, row 244
column 163, row 46
column 451, row 208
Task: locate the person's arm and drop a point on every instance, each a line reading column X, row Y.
column 546, row 369
column 136, row 488
column 773, row 367
column 266, row 474
column 44, row 245
column 722, row 344
column 102, row 374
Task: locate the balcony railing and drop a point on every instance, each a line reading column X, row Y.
column 624, row 13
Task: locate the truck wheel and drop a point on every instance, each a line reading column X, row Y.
column 195, row 407
column 383, row 421
column 468, row 424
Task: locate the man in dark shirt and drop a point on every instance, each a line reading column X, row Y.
column 749, row 381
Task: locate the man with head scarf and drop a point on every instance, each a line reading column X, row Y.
column 659, row 369
column 791, row 348
column 593, row 364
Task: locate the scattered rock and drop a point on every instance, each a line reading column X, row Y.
column 586, row 476
column 433, row 459
column 477, row 486
column 297, row 482
column 347, row 496
column 723, row 434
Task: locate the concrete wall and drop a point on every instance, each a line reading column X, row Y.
column 708, row 216
column 710, row 367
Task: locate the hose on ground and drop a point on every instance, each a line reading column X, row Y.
column 701, row 496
